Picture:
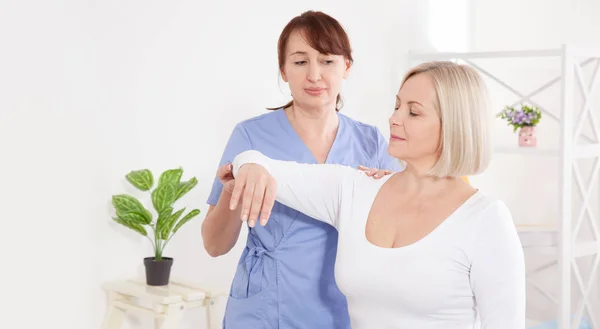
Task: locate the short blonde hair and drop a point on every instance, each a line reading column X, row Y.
column 462, row 104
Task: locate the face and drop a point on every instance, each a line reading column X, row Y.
column 415, row 125
column 314, row 78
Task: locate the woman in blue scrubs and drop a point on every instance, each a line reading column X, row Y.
column 284, row 278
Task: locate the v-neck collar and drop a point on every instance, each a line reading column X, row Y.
column 330, row 155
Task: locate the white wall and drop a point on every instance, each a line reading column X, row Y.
column 530, row 184
column 90, row 90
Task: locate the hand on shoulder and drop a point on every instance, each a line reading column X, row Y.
column 374, row 172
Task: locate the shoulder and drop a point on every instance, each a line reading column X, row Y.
column 492, row 219
column 365, row 137
column 259, row 121
column 493, row 234
column 485, row 208
column 361, row 128
column 252, row 129
column 492, row 207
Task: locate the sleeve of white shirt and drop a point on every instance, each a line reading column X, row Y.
column 498, row 270
column 313, row 189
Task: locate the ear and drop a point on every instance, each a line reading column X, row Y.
column 348, row 66
column 283, row 75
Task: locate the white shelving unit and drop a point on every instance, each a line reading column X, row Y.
column 574, row 146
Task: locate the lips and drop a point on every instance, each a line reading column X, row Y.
column 396, row 138
column 315, row 91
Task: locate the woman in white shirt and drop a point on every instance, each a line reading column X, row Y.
column 419, row 248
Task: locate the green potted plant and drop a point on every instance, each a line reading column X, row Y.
column 165, row 222
column 525, row 119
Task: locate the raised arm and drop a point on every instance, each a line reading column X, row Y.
column 498, row 271
column 315, row 190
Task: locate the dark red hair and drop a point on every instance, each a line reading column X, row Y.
column 323, row 33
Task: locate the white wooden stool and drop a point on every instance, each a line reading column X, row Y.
column 169, row 302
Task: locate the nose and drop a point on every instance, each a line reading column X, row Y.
column 314, row 72
column 396, row 118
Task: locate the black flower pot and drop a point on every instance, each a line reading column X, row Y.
column 158, row 272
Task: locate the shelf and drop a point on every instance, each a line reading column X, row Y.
column 579, row 151
column 525, row 151
column 538, row 235
column 536, row 228
column 547, row 235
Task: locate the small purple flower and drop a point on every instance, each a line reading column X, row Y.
column 524, row 116
column 519, row 117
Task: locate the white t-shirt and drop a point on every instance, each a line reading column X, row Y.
column 467, row 273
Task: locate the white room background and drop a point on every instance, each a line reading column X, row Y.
column 90, row 90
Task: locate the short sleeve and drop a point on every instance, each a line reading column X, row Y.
column 239, row 142
column 384, row 160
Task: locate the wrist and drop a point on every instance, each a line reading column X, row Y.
column 225, row 195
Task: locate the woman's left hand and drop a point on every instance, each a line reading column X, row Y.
column 256, row 189
column 375, row 173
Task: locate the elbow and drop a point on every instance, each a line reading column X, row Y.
column 216, row 240
column 217, row 248
column 211, row 246
column 212, row 252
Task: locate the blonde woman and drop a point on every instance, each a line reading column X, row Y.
column 420, row 248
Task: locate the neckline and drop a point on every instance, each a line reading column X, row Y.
column 436, row 231
column 330, row 155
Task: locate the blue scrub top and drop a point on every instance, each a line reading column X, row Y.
column 285, row 275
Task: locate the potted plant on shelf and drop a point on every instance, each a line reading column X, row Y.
column 132, row 214
column 524, row 119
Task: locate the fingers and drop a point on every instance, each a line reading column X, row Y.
column 268, row 203
column 373, row 172
column 238, row 189
column 380, row 173
column 256, row 203
column 247, row 199
column 225, row 171
column 262, row 202
column 256, row 191
column 368, row 171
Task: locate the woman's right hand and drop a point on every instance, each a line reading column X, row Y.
column 374, row 172
column 225, row 175
column 258, row 189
